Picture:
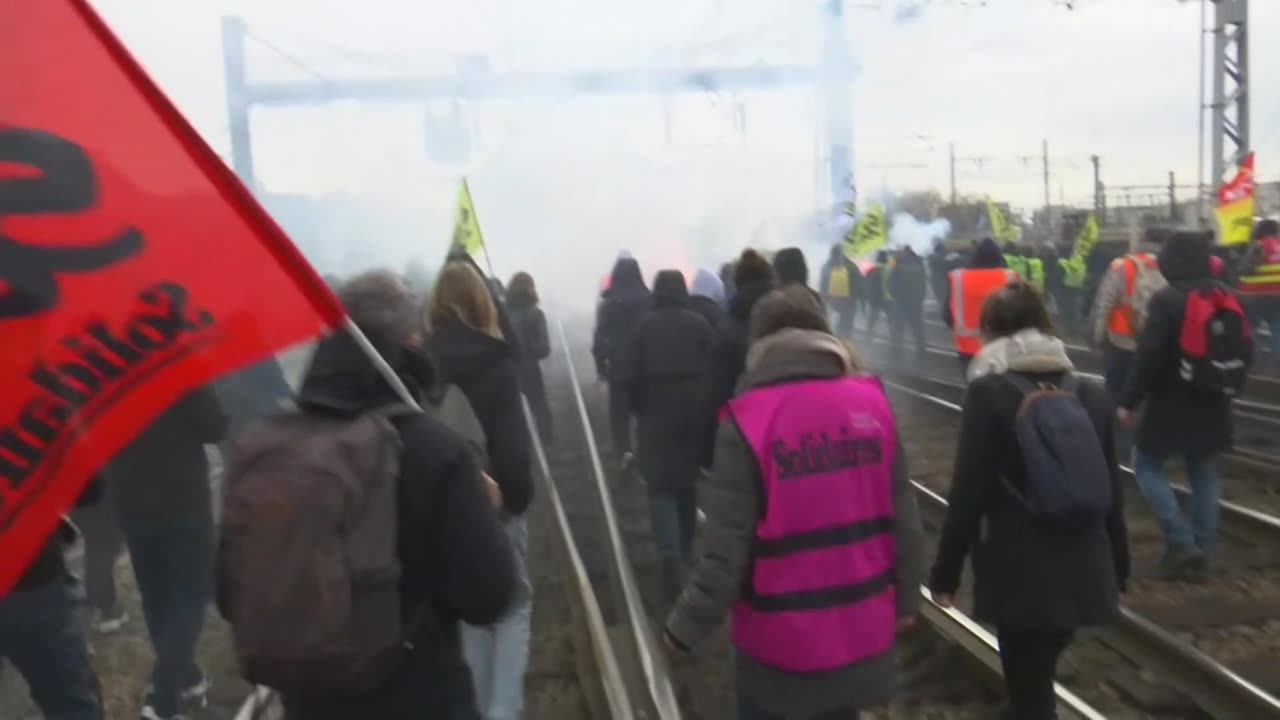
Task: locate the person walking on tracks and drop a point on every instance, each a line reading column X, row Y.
column 43, row 634
column 358, row 481
column 1042, row 512
column 467, row 344
column 160, row 486
column 663, row 374
column 1120, row 310
column 530, row 323
column 752, row 280
column 623, row 303
column 1179, row 396
column 839, row 288
column 968, row 290
column 906, row 285
column 1260, row 283
column 813, row 539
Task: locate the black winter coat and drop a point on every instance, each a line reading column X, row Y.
column 709, row 309
column 162, row 477
column 530, row 325
column 484, row 368
column 616, row 320
column 453, row 549
column 908, row 282
column 1173, row 420
column 1026, row 576
column 663, row 375
column 725, row 362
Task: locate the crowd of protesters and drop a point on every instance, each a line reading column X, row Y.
column 392, row 494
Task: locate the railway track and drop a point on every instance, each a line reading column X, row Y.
column 1207, row 649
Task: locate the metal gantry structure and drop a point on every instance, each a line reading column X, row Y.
column 832, row 77
column 1229, row 128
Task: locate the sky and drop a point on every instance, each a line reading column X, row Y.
column 1115, row 78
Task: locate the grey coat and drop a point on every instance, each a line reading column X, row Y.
column 733, row 502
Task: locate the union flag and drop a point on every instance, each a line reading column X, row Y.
column 134, row 267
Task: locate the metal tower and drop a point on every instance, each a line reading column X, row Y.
column 832, row 77
column 1230, row 106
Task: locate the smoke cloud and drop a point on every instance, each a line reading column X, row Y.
column 905, row 230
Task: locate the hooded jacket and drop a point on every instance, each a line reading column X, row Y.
column 708, row 297
column 162, row 477
column 908, row 281
column 620, row 309
column 1174, row 420
column 455, row 555
column 485, row 369
column 1025, row 575
column 733, row 504
column 726, row 360
column 985, row 257
column 663, row 374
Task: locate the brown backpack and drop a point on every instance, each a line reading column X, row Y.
column 309, row 569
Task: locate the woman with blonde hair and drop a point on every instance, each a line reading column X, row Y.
column 471, row 352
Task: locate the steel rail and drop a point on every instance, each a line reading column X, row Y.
column 652, row 659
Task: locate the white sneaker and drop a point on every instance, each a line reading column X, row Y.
column 109, row 623
column 196, row 696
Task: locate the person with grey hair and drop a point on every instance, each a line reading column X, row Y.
column 457, row 563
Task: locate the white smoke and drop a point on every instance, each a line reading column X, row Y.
column 905, row 230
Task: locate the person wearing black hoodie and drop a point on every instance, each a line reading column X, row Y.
column 752, row 280
column 160, row 486
column 531, row 324
column 456, row 561
column 468, row 347
column 663, row 374
column 625, row 301
column 791, row 268
column 1174, row 421
column 905, row 287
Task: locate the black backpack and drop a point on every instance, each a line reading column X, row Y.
column 1216, row 346
column 1068, row 480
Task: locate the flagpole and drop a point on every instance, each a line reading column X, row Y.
column 397, row 385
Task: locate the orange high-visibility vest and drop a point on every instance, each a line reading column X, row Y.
column 1120, row 321
column 969, row 292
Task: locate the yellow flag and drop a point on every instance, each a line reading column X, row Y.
column 1237, row 201
column 1002, row 229
column 466, row 226
column 1236, row 221
column 1089, row 236
column 868, row 235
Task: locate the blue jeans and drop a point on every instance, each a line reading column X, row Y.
column 1119, row 363
column 1206, row 490
column 498, row 654
column 673, row 515
column 42, row 633
column 749, row 711
column 173, row 566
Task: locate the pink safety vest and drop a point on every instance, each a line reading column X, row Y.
column 822, row 586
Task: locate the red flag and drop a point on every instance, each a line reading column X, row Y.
column 133, row 265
